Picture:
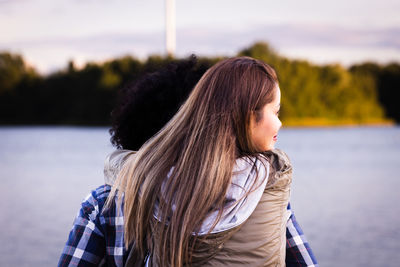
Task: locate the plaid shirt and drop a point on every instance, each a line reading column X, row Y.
column 298, row 251
column 97, row 236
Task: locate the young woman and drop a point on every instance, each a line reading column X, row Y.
column 208, row 189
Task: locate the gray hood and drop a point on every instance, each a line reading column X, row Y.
column 238, row 208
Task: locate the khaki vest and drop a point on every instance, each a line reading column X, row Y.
column 261, row 239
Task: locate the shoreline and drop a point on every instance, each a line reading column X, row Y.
column 336, row 123
column 284, row 126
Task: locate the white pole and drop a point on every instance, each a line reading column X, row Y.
column 170, row 35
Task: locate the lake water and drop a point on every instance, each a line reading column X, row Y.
column 345, row 190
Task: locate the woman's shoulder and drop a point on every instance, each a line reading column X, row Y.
column 280, row 175
column 277, row 155
column 94, row 202
column 101, row 193
column 273, row 165
column 275, row 158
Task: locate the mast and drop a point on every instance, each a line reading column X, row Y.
column 170, row 25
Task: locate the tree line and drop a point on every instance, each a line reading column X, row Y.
column 311, row 94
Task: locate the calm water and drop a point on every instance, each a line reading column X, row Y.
column 345, row 190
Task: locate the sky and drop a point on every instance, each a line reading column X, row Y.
column 50, row 33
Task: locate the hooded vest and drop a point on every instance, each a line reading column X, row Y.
column 256, row 223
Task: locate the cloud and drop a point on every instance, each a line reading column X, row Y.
column 95, row 45
column 317, row 43
column 299, row 35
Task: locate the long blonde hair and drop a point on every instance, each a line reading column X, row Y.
column 196, row 150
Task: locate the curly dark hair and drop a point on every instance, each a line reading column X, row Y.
column 148, row 103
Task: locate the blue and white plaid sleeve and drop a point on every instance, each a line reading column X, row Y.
column 86, row 245
column 298, row 251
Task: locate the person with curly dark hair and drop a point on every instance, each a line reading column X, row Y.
column 148, row 103
column 206, row 186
